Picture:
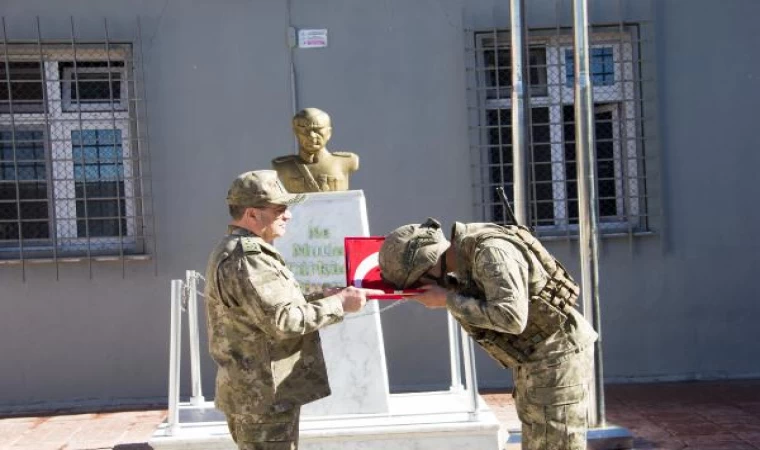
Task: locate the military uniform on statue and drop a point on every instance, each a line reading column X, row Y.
column 314, row 168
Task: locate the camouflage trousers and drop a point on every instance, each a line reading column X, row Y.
column 552, row 401
column 275, row 431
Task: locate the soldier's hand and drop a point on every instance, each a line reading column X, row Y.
column 354, row 298
column 327, row 292
column 433, row 297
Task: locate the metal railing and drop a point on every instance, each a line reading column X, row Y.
column 184, row 297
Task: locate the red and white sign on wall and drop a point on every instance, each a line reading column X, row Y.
column 312, row 38
column 363, row 269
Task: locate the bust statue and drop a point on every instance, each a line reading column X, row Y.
column 314, row 168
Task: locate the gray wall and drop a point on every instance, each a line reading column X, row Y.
column 676, row 305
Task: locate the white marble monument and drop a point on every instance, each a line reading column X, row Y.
column 354, row 351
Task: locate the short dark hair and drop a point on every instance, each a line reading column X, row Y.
column 237, row 211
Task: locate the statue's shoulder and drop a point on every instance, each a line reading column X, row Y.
column 349, row 161
column 287, row 159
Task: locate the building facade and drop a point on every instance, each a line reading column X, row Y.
column 123, row 123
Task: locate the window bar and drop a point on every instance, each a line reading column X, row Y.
column 490, row 189
column 118, row 161
column 146, row 155
column 623, row 128
column 81, row 146
column 48, row 152
column 15, row 156
column 561, row 85
column 643, row 157
column 531, row 201
column 531, row 162
column 644, row 187
column 474, row 106
column 481, row 100
column 482, row 133
column 473, row 142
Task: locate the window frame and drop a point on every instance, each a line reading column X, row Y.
column 32, row 108
column 60, row 116
column 621, row 98
column 71, row 105
column 6, row 244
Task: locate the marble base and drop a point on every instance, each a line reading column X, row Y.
column 354, row 350
column 419, row 421
column 609, row 437
column 355, row 359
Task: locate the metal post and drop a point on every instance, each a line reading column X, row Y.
column 175, row 350
column 588, row 220
column 470, row 374
column 520, row 110
column 455, row 355
column 19, row 212
column 191, row 278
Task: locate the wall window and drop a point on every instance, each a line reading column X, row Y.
column 602, row 63
column 92, row 85
column 98, row 183
column 621, row 172
column 26, row 90
column 70, row 180
column 24, row 205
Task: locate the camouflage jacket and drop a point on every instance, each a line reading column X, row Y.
column 497, row 299
column 262, row 331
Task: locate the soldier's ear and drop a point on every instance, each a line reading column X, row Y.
column 253, row 214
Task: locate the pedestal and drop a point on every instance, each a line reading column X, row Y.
column 420, row 421
column 354, row 351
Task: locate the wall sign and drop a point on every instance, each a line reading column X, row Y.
column 314, row 38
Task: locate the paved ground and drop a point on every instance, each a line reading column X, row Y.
column 668, row 416
column 671, row 416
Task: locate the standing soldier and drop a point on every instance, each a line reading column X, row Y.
column 262, row 331
column 518, row 303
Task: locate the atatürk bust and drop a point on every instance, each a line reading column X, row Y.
column 314, row 168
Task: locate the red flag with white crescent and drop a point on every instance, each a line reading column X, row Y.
column 363, row 269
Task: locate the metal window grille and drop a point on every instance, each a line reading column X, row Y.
column 622, row 76
column 74, row 166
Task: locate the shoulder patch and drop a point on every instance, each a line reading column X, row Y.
column 250, row 245
column 283, row 159
column 343, row 154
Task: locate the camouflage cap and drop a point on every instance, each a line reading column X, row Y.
column 410, row 251
column 260, row 188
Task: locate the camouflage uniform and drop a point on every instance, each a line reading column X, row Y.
column 516, row 301
column 263, row 337
column 499, row 278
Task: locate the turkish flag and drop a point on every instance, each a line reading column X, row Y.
column 363, row 269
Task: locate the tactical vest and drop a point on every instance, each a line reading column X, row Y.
column 551, row 299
